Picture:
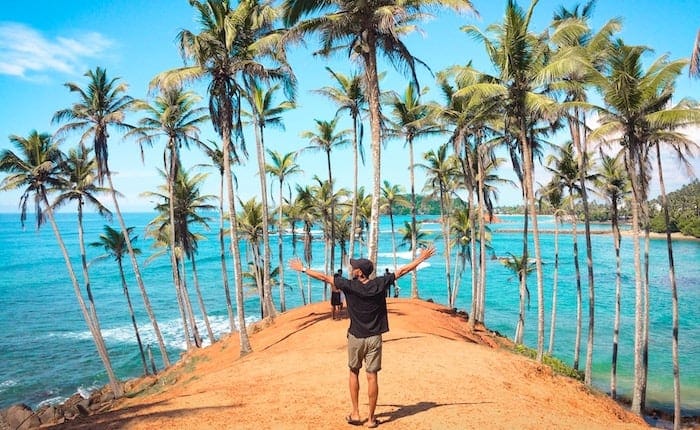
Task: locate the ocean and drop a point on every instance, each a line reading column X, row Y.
column 47, row 353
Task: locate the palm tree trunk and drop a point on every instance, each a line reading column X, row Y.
column 530, row 194
column 137, row 274
column 373, row 94
column 674, row 298
column 96, row 334
column 446, row 237
column 414, row 240
column 355, row 169
column 245, row 347
column 268, row 305
column 200, row 299
column 133, row 316
column 181, row 304
column 553, row 321
column 283, row 302
column 222, row 256
column 481, row 306
column 188, row 305
column 579, row 294
column 332, row 218
column 618, row 297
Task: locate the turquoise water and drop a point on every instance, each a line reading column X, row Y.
column 46, row 351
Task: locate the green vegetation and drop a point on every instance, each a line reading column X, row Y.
column 683, row 209
column 557, row 365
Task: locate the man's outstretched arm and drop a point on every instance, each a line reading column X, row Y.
column 424, row 255
column 295, row 264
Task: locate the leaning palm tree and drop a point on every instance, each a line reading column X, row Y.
column 78, row 184
column 102, row 105
column 265, row 114
column 364, row 29
column 112, row 241
column 349, row 96
column 282, row 166
column 35, row 168
column 325, row 139
column 518, row 56
column 410, row 120
column 173, row 115
column 232, row 44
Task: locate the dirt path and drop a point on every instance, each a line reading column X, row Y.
column 436, row 375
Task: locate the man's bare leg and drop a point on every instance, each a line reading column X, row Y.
column 372, row 393
column 354, row 385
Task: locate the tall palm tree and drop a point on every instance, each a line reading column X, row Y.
column 364, row 29
column 518, row 56
column 325, row 139
column 349, row 96
column 112, row 241
column 251, row 228
column 613, row 184
column 635, row 103
column 282, row 166
column 441, row 169
column 410, row 119
column 35, row 168
column 175, row 117
column 265, row 114
column 309, row 214
column 102, row 105
column 393, row 196
column 232, row 43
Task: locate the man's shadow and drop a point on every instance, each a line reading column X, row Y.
column 403, row 411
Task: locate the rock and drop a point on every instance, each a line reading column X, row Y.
column 47, row 414
column 21, row 417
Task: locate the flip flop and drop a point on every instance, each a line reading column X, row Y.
column 373, row 424
column 353, row 422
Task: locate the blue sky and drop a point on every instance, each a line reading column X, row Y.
column 44, row 44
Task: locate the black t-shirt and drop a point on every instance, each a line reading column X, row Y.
column 366, row 304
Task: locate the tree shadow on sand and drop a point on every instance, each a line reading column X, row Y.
column 403, row 411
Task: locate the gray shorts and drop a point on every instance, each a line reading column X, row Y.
column 368, row 349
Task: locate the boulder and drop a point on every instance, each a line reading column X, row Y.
column 21, row 417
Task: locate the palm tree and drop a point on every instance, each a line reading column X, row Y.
column 35, row 169
column 265, row 114
column 521, row 268
column 174, row 116
column 188, row 203
column 635, row 105
column 282, row 166
column 349, row 96
column 251, row 228
column 309, row 214
column 552, row 193
column 462, row 240
column 112, row 241
column 78, row 184
column 325, row 139
column 694, row 69
column 407, row 233
column 364, row 28
column 393, row 196
column 410, row 119
column 440, row 172
column 232, row 43
column 613, row 184
column 565, row 175
column 574, row 38
column 518, row 56
column 101, row 105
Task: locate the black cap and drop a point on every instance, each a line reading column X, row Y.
column 364, row 265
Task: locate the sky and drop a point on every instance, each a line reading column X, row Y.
column 47, row 43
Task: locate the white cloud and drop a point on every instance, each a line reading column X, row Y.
column 27, row 53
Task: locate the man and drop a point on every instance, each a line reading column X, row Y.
column 366, row 303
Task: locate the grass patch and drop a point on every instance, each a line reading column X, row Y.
column 557, row 365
